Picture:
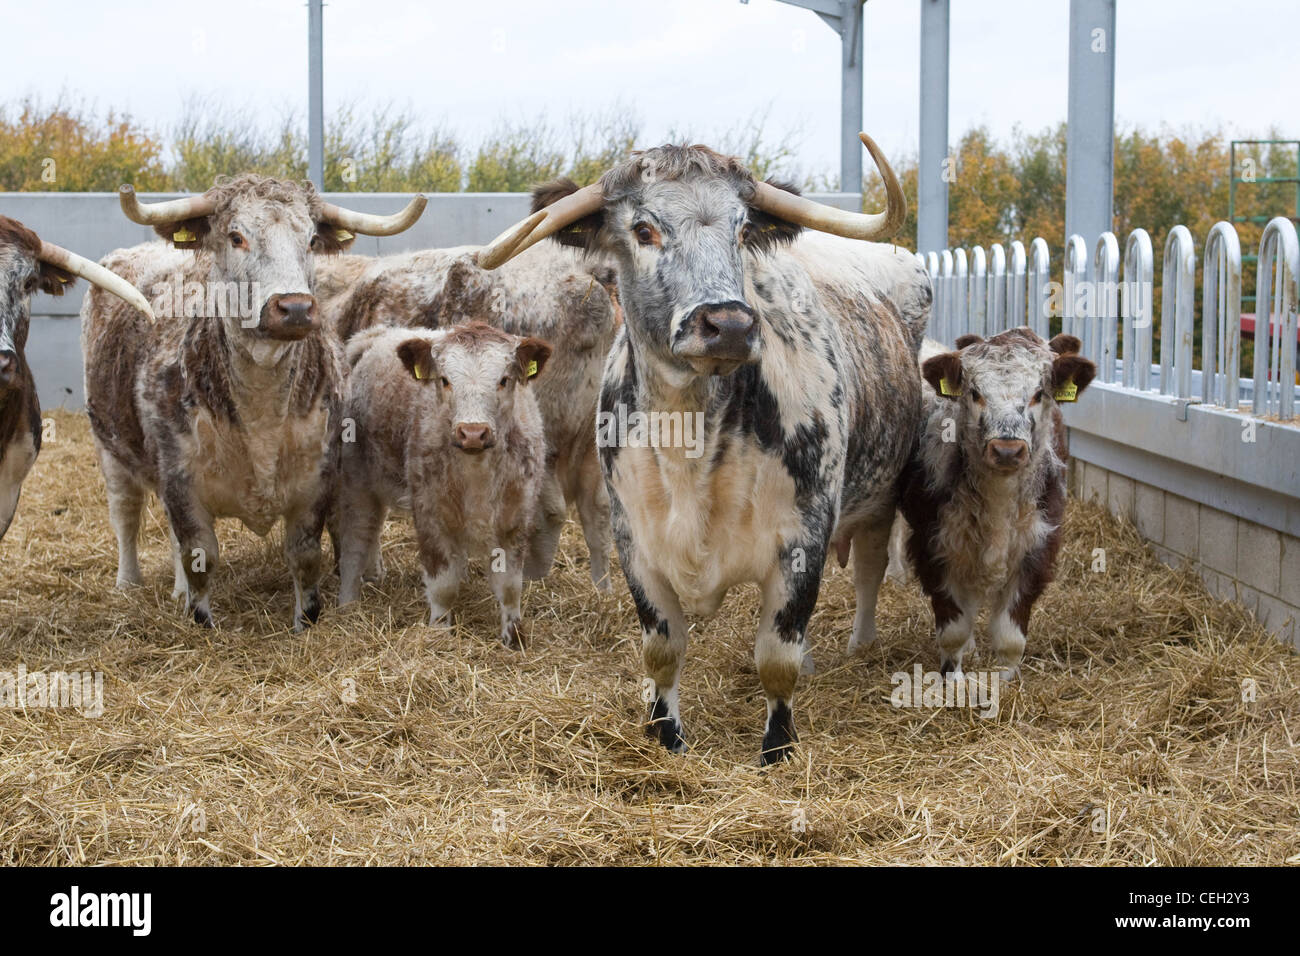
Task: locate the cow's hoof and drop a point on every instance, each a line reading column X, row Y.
column 512, row 637
column 664, row 729
column 203, row 617
column 779, row 741
column 311, row 608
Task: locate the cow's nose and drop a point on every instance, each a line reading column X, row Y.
column 8, row 367
column 294, row 309
column 726, row 330
column 1006, row 453
column 474, row 437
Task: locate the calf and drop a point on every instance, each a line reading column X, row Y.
column 27, row 265
column 229, row 406
column 984, row 492
column 795, row 358
column 550, row 293
column 447, row 426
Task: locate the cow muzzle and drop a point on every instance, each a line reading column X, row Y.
column 1006, row 454
column 718, row 339
column 290, row 317
column 473, row 437
column 8, row 369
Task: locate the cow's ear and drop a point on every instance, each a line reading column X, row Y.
column 330, row 239
column 417, row 355
column 186, row 234
column 582, row 233
column 1070, row 376
column 52, row 279
column 532, row 355
column 943, row 372
column 970, row 338
column 765, row 231
column 1065, row 344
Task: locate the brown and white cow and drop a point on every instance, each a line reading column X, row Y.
column 549, row 292
column 29, row 265
column 984, row 493
column 229, row 405
column 446, row 426
column 795, row 361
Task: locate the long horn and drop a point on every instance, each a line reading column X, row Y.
column 158, row 213
column 550, row 220
column 852, row 225
column 95, row 274
column 366, row 224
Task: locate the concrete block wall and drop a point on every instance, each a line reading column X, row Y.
column 1238, row 559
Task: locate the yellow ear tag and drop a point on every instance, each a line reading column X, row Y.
column 342, row 235
column 184, row 235
column 1069, row 392
column 416, row 370
column 947, row 389
column 532, row 368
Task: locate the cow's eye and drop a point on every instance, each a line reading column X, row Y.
column 645, row 233
column 445, row 383
column 744, row 233
column 237, row 241
column 504, row 382
column 1038, row 397
column 975, row 395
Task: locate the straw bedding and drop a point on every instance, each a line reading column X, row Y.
column 372, row 739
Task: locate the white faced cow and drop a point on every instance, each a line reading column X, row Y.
column 984, row 493
column 229, row 406
column 796, row 358
column 28, row 265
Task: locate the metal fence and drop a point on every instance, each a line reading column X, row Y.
column 1106, row 299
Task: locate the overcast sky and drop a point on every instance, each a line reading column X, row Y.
column 699, row 65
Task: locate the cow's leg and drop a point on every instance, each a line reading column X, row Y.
column 551, row 512
column 442, row 570
column 374, row 567
column 192, row 528
column 360, row 526
column 125, row 503
column 663, row 650
column 302, row 552
column 897, row 570
column 954, row 623
column 1010, row 626
column 506, row 572
column 789, row 596
column 870, row 557
column 593, row 511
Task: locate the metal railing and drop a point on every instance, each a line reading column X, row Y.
column 1106, row 300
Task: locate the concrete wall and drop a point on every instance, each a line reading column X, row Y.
column 1203, row 485
column 92, row 224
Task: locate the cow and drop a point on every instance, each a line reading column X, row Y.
column 228, row 406
column 549, row 293
column 28, row 264
column 446, row 426
column 984, row 491
column 794, row 360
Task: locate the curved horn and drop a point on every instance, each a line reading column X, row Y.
column 852, row 225
column 159, row 213
column 551, row 220
column 366, row 224
column 95, row 274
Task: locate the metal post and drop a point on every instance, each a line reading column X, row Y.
column 315, row 96
column 845, row 18
column 1090, row 124
column 932, row 178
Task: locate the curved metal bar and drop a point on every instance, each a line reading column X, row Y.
column 1139, row 290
